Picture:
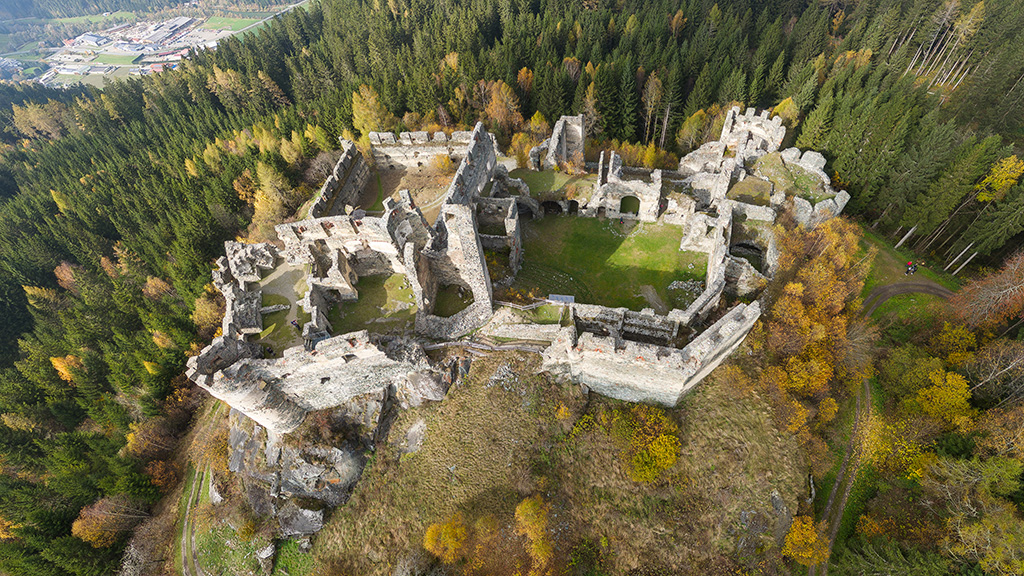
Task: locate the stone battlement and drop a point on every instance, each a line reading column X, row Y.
column 415, row 149
column 642, row 372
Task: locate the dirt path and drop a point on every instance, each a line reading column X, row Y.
column 653, row 299
column 189, row 565
column 923, row 286
column 833, row 513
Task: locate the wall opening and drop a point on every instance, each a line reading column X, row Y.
column 751, row 253
column 574, row 207
column 629, row 205
column 551, row 208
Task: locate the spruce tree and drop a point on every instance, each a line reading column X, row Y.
column 607, row 93
column 817, row 124
column 702, row 92
column 734, row 88
column 629, row 102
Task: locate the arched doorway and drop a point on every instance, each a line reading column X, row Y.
column 574, row 207
column 551, row 208
column 629, row 205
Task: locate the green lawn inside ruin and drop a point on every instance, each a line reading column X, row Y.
column 791, row 178
column 600, row 261
column 450, row 300
column 556, row 185
column 286, row 284
column 386, row 304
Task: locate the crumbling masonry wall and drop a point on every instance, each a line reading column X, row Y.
column 476, row 169
column 278, row 393
column 455, row 258
column 415, row 149
column 344, row 184
column 501, row 213
column 750, row 129
column 565, row 147
column 640, row 372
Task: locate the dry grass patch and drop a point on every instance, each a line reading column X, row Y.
column 731, row 458
column 506, row 434
column 476, row 460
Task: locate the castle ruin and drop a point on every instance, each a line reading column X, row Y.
column 724, row 196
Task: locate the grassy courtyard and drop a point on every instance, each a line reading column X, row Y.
column 386, row 305
column 556, row 185
column 286, row 284
column 604, row 262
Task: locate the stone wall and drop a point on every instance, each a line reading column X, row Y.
column 344, row 184
column 501, row 213
column 640, row 372
column 714, row 282
column 455, row 258
column 752, row 129
column 366, row 242
column 278, row 393
column 476, row 169
column 607, row 197
column 415, row 149
column 565, row 147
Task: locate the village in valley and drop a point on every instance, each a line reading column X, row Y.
column 135, row 45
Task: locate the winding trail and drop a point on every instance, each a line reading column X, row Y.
column 833, row 512
column 882, row 293
column 189, row 562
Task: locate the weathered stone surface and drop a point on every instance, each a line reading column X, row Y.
column 414, row 437
column 295, row 521
column 791, row 155
column 802, row 210
column 742, row 279
column 418, row 388
column 565, row 147
column 753, row 131
column 813, row 161
column 639, row 372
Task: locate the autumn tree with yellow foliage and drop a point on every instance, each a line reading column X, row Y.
column 446, row 539
column 806, row 542
column 815, row 346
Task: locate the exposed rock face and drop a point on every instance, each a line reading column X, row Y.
column 295, row 521
column 278, row 393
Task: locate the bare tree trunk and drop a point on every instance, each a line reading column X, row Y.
column 879, row 219
column 912, row 230
column 949, row 54
column 955, row 70
column 931, row 51
column 966, row 72
column 664, row 125
column 958, row 256
column 965, row 263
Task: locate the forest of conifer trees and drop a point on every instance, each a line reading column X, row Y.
column 115, row 202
